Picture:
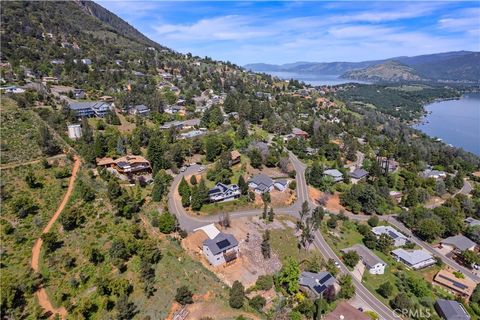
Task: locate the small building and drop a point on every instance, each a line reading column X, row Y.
column 388, row 165
column 235, row 157
column 415, row 259
column 399, row 239
column 222, row 249
column 127, row 164
column 281, row 184
column 471, row 222
column 173, row 109
column 139, row 110
column 311, row 151
column 451, row 310
column 74, row 131
column 459, row 243
column 374, row 264
column 434, row 174
column 223, row 192
column 78, row 93
column 336, row 175
column 261, row 183
column 315, row 283
column 345, row 311
column 462, row 287
column 358, row 174
column 90, row 108
column 299, row 133
column 192, row 134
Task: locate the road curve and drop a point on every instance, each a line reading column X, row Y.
column 188, row 223
column 41, row 293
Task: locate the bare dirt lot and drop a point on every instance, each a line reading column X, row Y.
column 278, row 198
column 332, row 200
column 250, row 264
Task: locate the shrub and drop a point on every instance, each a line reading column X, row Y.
column 237, row 295
column 351, row 258
column 257, row 302
column 184, row 295
column 264, row 282
column 166, row 223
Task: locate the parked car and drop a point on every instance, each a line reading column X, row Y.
column 182, row 169
column 201, row 169
column 337, row 264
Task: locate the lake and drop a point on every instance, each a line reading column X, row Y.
column 456, row 122
column 313, row 79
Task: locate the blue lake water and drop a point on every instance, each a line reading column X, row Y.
column 456, row 122
column 313, row 79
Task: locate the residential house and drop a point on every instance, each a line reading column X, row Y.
column 345, row 311
column 315, row 283
column 459, row 243
column 311, row 151
column 140, row 110
column 399, row 239
column 435, row 174
column 222, row 249
column 181, row 125
column 74, row 131
column 451, row 310
column 388, row 165
column 471, row 222
column 223, row 192
column 127, row 164
column 281, row 184
column 192, row 134
column 288, row 137
column 299, row 133
column 235, row 157
column 261, row 183
column 372, row 263
column 336, row 175
column 358, row 174
column 415, row 259
column 174, row 109
column 78, row 93
column 462, row 287
column 53, row 80
column 90, row 108
column 13, row 89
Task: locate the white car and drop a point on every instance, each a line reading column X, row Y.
column 337, row 264
column 201, row 169
column 182, row 169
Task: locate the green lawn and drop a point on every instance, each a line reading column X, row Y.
column 227, row 206
column 285, row 244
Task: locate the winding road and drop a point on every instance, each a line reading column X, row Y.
column 189, row 222
column 41, row 293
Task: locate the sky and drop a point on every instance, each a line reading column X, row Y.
column 289, row 31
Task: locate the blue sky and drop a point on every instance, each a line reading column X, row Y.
column 283, row 32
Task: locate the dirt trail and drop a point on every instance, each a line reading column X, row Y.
column 42, row 293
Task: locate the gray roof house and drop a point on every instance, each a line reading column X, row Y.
column 336, row 175
column 90, row 108
column 399, row 239
column 435, row 174
column 141, row 110
column 451, row 310
column 315, row 283
column 374, row 264
column 358, row 173
column 223, row 192
column 221, row 249
column 459, row 242
column 415, row 259
column 472, row 222
column 261, row 183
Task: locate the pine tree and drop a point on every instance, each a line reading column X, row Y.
column 265, row 246
column 242, row 185
column 237, row 295
column 271, row 215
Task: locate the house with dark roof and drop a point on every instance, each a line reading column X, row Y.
column 140, row 110
column 399, row 239
column 261, row 183
column 221, row 249
column 434, row 174
column 315, row 283
column 459, row 243
column 223, row 192
column 462, row 287
column 358, row 174
column 90, row 108
column 415, row 259
column 471, row 222
column 372, row 262
column 281, row 184
column 451, row 310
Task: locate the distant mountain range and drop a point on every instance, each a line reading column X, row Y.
column 457, row 66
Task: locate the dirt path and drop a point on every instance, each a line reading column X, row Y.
column 41, row 293
column 19, row 164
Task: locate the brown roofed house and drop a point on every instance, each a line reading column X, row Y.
column 461, row 286
column 234, row 157
column 344, row 311
column 126, row 164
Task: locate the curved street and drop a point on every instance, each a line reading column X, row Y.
column 189, row 222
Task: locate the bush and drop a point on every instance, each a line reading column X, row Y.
column 351, row 258
column 385, row 289
column 373, row 221
column 257, row 302
column 237, row 295
column 293, row 185
column 166, row 223
column 184, row 295
column 264, row 282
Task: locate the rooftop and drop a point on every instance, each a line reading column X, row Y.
column 262, row 179
column 452, row 310
column 221, row 243
column 446, row 278
column 210, row 230
column 367, row 256
column 344, row 311
column 333, row 173
column 392, row 232
column 358, row 173
column 316, row 281
column 460, row 242
column 412, row 257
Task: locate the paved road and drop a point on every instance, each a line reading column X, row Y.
column 188, row 223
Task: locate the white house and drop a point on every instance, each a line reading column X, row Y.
column 223, row 192
column 221, row 249
column 281, row 184
column 74, row 131
column 459, row 243
column 399, row 239
column 336, row 175
column 415, row 259
column 372, row 263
